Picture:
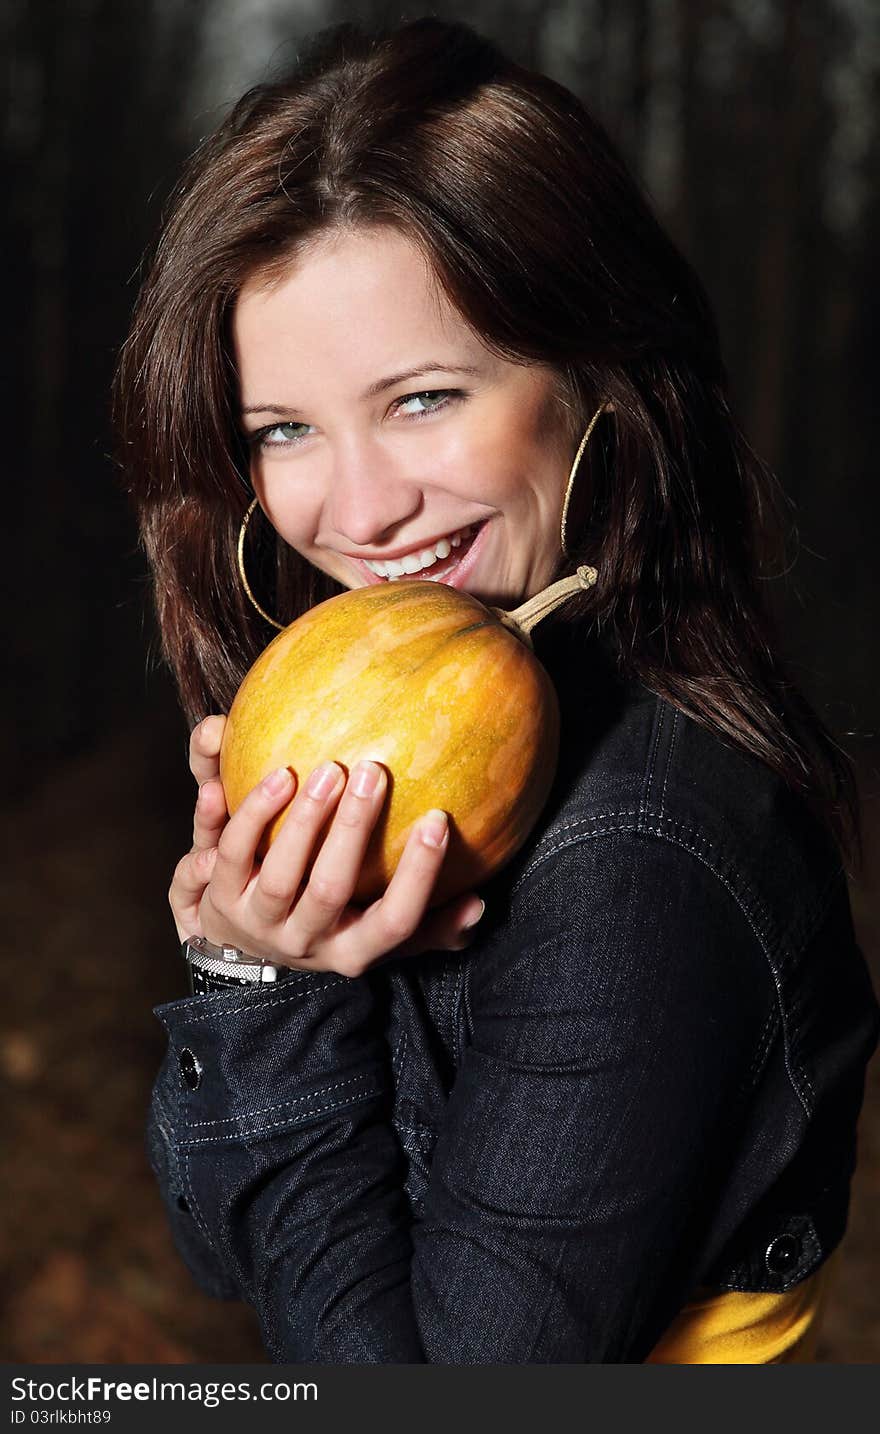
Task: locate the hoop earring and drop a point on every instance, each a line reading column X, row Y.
column 243, row 575
column 604, row 408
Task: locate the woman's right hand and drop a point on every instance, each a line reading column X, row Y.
column 448, row 927
column 194, row 872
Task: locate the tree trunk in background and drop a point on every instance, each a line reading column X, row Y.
column 640, row 82
column 92, row 124
column 685, row 207
column 795, row 80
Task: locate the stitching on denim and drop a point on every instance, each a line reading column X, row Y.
column 541, row 857
column 748, row 909
column 275, row 1124
column 600, row 816
column 769, row 1035
column 455, row 1016
column 415, row 1126
column 771, row 1026
column 800, row 938
column 466, row 1002
column 579, row 822
column 675, row 717
column 804, row 932
column 397, row 1066
column 199, row 1001
column 659, row 716
column 279, row 1106
column 190, row 1196
column 203, row 999
column 420, row 1133
column 443, row 1020
column 281, row 1000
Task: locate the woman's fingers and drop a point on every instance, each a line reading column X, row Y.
column 237, row 847
column 449, row 928
column 396, row 916
column 211, row 815
column 287, row 860
column 204, row 748
column 191, row 876
column 336, row 869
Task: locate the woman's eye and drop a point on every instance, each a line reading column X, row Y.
column 431, row 400
column 269, row 437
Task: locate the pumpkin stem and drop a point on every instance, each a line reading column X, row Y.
column 530, row 613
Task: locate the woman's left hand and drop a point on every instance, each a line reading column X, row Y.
column 271, row 909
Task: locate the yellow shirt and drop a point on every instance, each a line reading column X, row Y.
column 747, row 1328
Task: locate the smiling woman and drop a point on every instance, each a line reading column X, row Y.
column 362, row 471
column 411, row 319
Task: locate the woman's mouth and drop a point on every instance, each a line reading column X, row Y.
column 450, row 561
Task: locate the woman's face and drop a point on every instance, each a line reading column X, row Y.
column 382, row 431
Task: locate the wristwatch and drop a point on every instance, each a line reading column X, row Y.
column 220, row 968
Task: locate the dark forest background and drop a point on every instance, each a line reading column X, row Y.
column 755, row 127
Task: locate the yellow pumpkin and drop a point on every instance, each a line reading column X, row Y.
column 443, row 691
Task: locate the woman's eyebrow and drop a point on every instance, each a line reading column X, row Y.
column 375, row 388
column 431, row 367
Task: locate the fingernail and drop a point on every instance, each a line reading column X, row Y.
column 277, row 781
column 365, row 779
column 323, row 780
column 434, row 828
column 477, row 915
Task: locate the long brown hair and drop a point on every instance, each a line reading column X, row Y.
column 543, row 241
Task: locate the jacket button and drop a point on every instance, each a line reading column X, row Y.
column 782, row 1254
column 190, row 1068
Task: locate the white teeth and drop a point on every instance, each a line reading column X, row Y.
column 415, row 562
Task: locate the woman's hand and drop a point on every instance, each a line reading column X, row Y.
column 270, row 909
column 194, row 872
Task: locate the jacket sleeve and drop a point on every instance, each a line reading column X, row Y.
column 615, row 1024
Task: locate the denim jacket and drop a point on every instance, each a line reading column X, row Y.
column 643, row 1077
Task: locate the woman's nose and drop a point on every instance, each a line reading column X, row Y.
column 369, row 499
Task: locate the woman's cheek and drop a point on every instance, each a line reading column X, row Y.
column 295, row 519
column 474, row 466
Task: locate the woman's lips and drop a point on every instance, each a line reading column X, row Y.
column 453, row 573
column 466, row 564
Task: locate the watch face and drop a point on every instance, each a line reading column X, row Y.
column 202, row 981
column 207, row 970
